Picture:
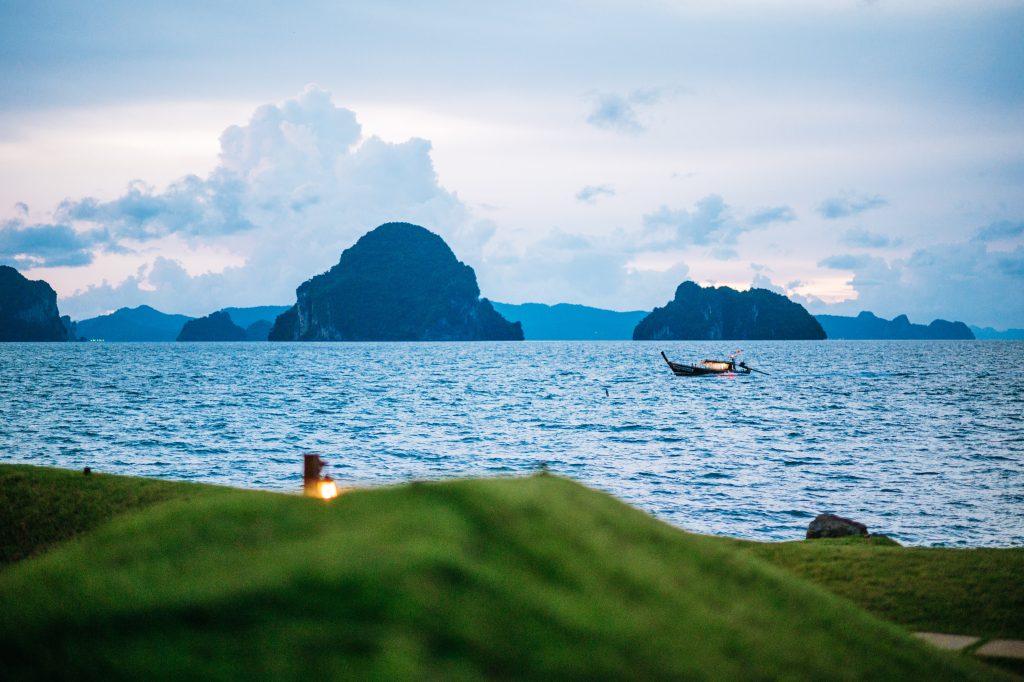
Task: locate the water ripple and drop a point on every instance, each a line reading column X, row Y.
column 920, row 440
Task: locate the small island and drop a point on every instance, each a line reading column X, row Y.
column 710, row 314
column 214, row 327
column 399, row 282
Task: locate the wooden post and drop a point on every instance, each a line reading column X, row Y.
column 312, row 464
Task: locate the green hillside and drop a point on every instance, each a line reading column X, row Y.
column 528, row 578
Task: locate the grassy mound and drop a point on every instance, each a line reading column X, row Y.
column 42, row 507
column 535, row 578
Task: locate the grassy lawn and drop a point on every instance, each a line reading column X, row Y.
column 959, row 591
column 528, row 578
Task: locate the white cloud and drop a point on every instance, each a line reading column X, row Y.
column 618, row 112
column 570, row 267
column 293, row 188
column 591, row 193
column 849, row 204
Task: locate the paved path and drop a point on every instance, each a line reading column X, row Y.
column 996, row 648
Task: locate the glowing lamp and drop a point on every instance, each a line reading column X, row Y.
column 327, row 488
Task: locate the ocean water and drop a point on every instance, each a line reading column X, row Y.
column 920, row 440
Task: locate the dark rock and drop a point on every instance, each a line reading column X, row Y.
column 832, row 526
column 259, row 330
column 214, row 327
column 28, row 309
column 699, row 313
column 867, row 325
column 399, row 282
column 70, row 328
column 246, row 317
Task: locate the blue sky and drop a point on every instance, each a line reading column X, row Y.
column 855, row 155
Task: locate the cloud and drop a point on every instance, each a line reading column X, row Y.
column 591, row 193
column 709, row 223
column 845, row 262
column 44, row 245
column 849, row 204
column 862, row 238
column 705, row 224
column 616, row 112
column 962, row 281
column 773, row 214
column 997, row 231
column 762, row 281
column 293, row 187
column 571, row 267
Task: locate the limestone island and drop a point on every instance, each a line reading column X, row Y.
column 711, row 314
column 28, row 310
column 399, row 282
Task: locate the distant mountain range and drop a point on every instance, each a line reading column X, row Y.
column 148, row 324
column 133, row 324
column 541, row 322
column 216, row 326
column 867, row 325
column 246, row 317
column 990, row 334
column 28, row 312
column 570, row 322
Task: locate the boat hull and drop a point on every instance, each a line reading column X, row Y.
column 707, row 368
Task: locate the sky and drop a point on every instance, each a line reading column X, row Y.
column 854, row 155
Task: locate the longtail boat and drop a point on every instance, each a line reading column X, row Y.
column 707, row 367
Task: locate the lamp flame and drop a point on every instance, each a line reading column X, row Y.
column 327, row 488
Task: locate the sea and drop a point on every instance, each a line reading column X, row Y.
column 921, row 440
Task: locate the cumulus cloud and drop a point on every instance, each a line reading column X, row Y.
column 709, row 223
column 44, row 245
column 591, row 193
column 293, row 187
column 1000, row 230
column 762, row 281
column 849, row 204
column 963, row 282
column 618, row 112
column 572, row 267
column 772, row 214
column 859, row 237
column 165, row 285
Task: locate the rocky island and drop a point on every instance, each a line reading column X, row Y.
column 214, row 327
column 867, row 325
column 399, row 282
column 28, row 310
column 710, row 313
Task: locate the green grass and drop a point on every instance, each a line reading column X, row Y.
column 959, row 591
column 524, row 578
column 41, row 507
